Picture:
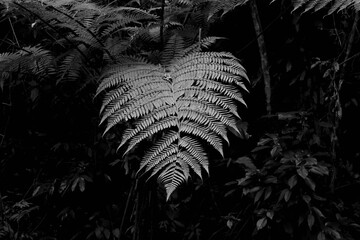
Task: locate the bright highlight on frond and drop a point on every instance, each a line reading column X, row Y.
column 191, row 100
column 331, row 6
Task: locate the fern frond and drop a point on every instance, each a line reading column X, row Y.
column 189, row 102
column 158, row 148
column 194, row 148
column 33, row 60
column 173, row 175
column 166, row 123
column 332, row 6
column 72, row 65
column 205, row 43
column 224, row 6
column 147, row 121
column 173, row 49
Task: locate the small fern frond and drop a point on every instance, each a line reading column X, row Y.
column 194, row 148
column 71, row 66
column 203, row 133
column 166, row 140
column 205, row 43
column 173, row 175
column 173, row 49
column 147, row 121
column 166, row 123
column 332, row 6
column 223, row 6
column 183, row 105
column 204, row 120
column 31, row 60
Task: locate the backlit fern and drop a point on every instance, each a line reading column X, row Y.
column 187, row 104
column 330, row 5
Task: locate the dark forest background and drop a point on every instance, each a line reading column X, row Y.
column 291, row 173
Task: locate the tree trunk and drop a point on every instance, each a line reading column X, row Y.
column 263, row 53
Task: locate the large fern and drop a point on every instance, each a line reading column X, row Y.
column 187, row 104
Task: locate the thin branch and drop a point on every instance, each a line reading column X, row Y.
column 349, row 46
column 162, row 22
column 13, row 31
column 132, row 189
column 338, row 108
column 263, row 53
column 2, row 210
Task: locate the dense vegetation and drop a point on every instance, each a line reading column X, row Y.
column 219, row 119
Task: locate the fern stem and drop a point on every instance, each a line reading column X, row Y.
column 83, row 26
column 162, row 23
column 132, row 189
column 263, row 53
column 13, row 31
column 2, row 210
column 338, row 110
column 349, row 45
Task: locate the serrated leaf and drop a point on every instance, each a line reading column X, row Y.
column 229, row 223
column 302, row 172
column 81, row 184
column 106, row 233
column 300, row 220
column 270, row 214
column 271, row 179
column 74, row 184
column 116, row 232
column 37, row 189
column 306, row 198
column 292, row 181
column 267, row 192
column 261, row 223
column 258, row 195
column 334, row 233
column 321, row 236
column 318, row 212
column 287, row 195
column 310, row 220
column 310, row 183
column 282, row 194
column 247, row 162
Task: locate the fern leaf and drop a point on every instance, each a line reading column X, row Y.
column 189, row 101
column 158, row 148
column 148, row 121
column 172, row 176
column 194, row 148
column 32, row 60
column 155, row 128
column 316, row 5
column 204, row 120
column 203, row 133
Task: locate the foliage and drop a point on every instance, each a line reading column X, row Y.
column 290, row 175
column 288, row 187
column 331, row 6
column 193, row 97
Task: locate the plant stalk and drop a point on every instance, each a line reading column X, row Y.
column 263, row 54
